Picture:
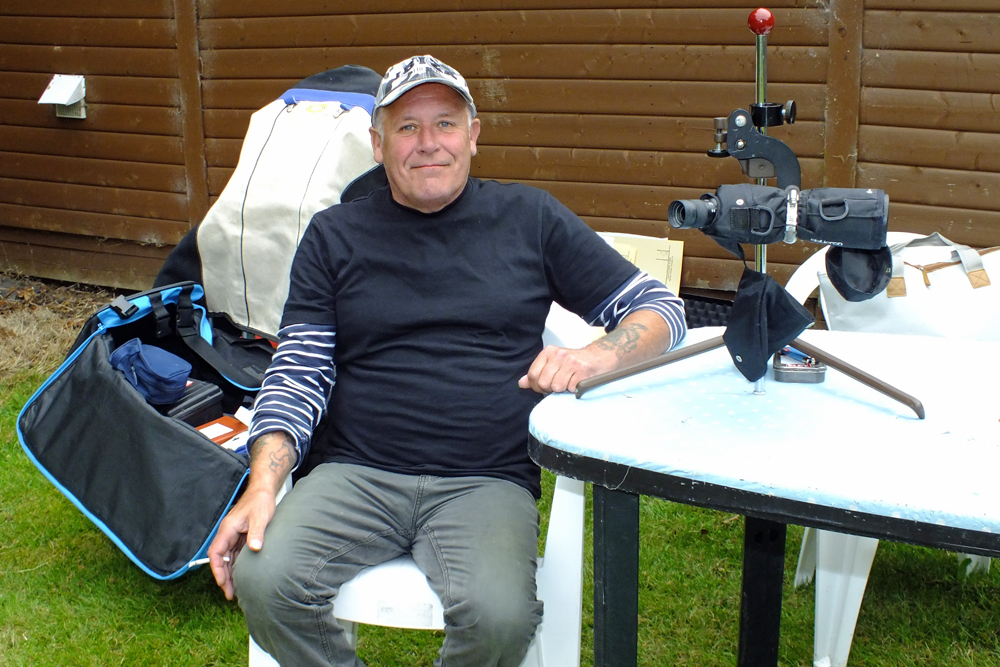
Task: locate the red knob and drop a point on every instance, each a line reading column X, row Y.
column 761, row 21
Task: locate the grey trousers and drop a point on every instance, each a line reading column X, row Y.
column 476, row 539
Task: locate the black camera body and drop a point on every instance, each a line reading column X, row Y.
column 759, row 214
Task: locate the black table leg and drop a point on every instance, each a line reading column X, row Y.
column 616, row 577
column 760, row 605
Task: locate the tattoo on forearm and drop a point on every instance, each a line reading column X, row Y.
column 279, row 460
column 623, row 340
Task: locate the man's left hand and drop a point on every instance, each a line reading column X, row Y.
column 640, row 336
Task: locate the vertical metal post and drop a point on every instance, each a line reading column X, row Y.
column 760, row 257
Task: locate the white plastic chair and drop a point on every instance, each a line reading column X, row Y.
column 840, row 562
column 397, row 594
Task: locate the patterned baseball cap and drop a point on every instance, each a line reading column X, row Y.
column 417, row 70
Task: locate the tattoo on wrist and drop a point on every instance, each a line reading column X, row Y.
column 623, row 340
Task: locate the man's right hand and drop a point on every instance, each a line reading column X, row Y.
column 272, row 457
column 244, row 524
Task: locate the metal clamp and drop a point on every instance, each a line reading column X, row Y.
column 791, row 214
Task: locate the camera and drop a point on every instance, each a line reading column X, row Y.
column 745, row 213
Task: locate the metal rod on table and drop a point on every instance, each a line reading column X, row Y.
column 691, row 350
column 861, row 376
column 761, row 22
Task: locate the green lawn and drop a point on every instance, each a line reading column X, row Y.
column 69, row 597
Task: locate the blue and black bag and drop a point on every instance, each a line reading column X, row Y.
column 154, row 484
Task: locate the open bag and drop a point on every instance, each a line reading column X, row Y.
column 142, row 472
column 155, row 484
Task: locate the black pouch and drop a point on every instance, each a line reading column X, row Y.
column 200, row 404
column 152, row 483
column 855, row 218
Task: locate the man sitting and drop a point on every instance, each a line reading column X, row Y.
column 413, row 322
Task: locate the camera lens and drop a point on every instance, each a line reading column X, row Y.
column 692, row 213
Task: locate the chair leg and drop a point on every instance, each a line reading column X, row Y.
column 560, row 581
column 351, row 628
column 806, row 568
column 259, row 657
column 974, row 563
column 843, row 564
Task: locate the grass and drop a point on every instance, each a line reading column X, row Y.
column 69, row 597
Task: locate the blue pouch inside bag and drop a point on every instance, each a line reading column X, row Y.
column 159, row 376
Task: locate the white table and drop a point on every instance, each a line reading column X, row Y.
column 836, row 455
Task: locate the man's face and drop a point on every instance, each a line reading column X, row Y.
column 428, row 146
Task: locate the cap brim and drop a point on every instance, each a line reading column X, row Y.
column 410, row 85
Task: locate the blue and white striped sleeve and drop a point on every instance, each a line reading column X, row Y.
column 297, row 385
column 641, row 292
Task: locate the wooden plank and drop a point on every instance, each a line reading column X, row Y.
column 583, row 165
column 571, row 130
column 86, row 171
column 979, row 229
column 148, row 9
column 147, row 231
column 571, row 26
column 686, row 170
column 933, row 30
column 644, row 202
column 655, row 228
column 227, row 123
column 648, row 62
column 133, row 91
column 214, row 9
column 98, row 145
column 973, row 151
column 96, row 199
column 79, row 31
column 843, row 92
column 126, row 62
column 659, row 133
column 932, row 186
column 661, row 98
column 79, row 259
column 612, row 200
column 217, row 179
column 710, row 273
column 100, row 118
column 962, row 72
column 934, row 5
column 189, row 72
column 970, row 112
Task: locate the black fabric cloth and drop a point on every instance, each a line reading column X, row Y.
column 183, row 263
column 764, row 318
column 856, row 274
column 438, row 316
column 346, row 78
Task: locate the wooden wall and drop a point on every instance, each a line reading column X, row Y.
column 929, row 131
column 608, row 105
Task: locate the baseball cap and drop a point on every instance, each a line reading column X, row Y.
column 415, row 71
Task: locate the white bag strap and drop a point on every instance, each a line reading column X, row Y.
column 971, row 261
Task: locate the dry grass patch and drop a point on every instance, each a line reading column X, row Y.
column 39, row 321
